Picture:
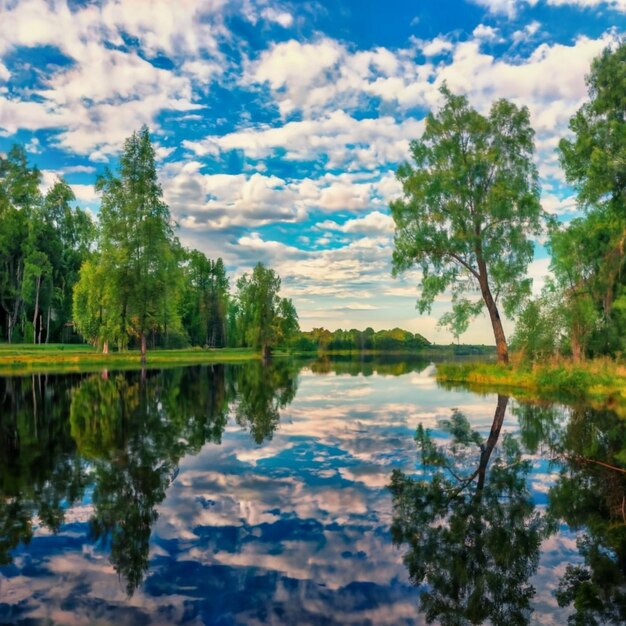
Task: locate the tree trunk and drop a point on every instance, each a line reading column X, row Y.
column 105, row 348
column 576, row 347
column 494, row 315
column 36, row 309
column 143, row 349
column 16, row 306
column 48, row 325
column 266, row 353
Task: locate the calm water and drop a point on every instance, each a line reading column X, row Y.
column 285, row 495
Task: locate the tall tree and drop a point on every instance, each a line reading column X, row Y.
column 471, row 201
column 72, row 233
column 137, row 245
column 205, row 301
column 593, row 161
column 19, row 197
column 264, row 317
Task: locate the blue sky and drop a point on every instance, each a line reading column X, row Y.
column 279, row 125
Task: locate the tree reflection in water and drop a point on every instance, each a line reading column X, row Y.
column 134, row 430
column 470, row 525
column 468, row 521
column 262, row 390
column 125, row 435
column 39, row 469
column 590, row 497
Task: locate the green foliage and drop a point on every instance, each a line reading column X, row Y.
column 534, row 336
column 205, row 301
column 43, row 241
column 588, row 255
column 353, row 340
column 470, row 206
column 138, row 258
column 264, row 320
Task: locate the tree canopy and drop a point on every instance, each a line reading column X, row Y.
column 265, row 319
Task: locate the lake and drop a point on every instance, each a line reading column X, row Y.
column 305, row 494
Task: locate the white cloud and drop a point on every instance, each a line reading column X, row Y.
column 559, row 206
column 219, row 201
column 108, row 92
column 508, row 8
column 347, row 142
column 527, row 33
column 282, row 18
column 374, row 223
column 437, row 46
column 615, row 5
column 295, row 67
column 487, row 33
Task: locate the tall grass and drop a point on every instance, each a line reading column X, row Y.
column 598, row 379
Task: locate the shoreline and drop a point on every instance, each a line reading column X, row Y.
column 17, row 359
column 600, row 382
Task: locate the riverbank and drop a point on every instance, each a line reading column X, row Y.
column 17, row 359
column 598, row 381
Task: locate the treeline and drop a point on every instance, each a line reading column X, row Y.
column 582, row 309
column 354, row 340
column 43, row 244
column 125, row 281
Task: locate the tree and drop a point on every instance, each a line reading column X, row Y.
column 470, row 203
column 72, row 232
column 205, row 300
column 19, row 197
column 138, row 251
column 264, row 319
column 593, row 161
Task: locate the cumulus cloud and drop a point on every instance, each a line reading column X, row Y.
column 107, row 89
column 343, row 140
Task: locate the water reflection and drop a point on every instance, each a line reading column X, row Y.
column 39, row 468
column 473, row 531
column 251, row 494
column 590, row 496
column 470, row 523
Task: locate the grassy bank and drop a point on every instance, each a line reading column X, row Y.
column 598, row 381
column 27, row 359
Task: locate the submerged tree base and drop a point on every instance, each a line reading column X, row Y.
column 601, row 381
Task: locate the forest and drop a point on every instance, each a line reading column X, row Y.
column 125, row 281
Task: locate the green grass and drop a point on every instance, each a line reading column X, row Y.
column 26, row 359
column 599, row 381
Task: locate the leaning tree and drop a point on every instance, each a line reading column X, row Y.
column 469, row 208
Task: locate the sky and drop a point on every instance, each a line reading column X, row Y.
column 278, row 126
